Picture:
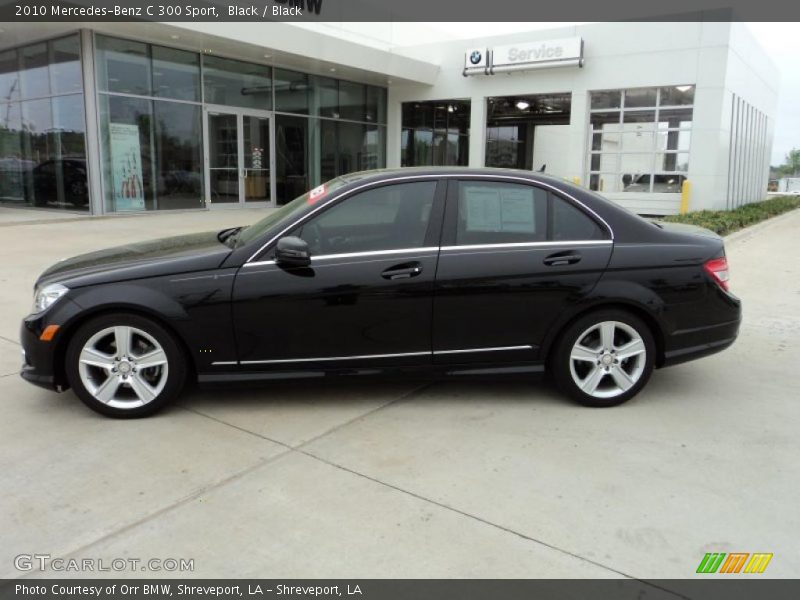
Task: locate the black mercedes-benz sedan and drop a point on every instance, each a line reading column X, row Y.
column 438, row 272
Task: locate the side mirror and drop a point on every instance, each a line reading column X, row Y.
column 292, row 251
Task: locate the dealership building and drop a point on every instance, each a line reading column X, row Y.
column 118, row 117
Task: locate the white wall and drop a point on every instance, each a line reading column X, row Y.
column 718, row 58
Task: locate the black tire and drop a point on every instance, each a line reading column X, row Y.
column 175, row 356
column 560, row 363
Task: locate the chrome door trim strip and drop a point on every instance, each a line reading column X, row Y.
column 330, row 358
column 369, row 356
column 527, row 245
column 220, row 363
column 355, row 255
column 496, row 349
column 433, row 176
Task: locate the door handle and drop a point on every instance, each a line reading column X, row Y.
column 404, row 271
column 562, row 258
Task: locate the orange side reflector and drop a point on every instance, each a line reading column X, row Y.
column 49, row 332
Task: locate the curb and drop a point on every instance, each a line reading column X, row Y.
column 747, row 232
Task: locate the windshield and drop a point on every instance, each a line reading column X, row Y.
column 288, row 211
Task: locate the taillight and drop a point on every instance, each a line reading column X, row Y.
column 718, row 269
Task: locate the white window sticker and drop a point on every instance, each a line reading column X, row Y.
column 499, row 209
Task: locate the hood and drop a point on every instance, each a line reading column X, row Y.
column 164, row 256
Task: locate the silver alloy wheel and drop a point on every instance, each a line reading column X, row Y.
column 607, row 359
column 123, row 367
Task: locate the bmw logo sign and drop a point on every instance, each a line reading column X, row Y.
column 475, row 57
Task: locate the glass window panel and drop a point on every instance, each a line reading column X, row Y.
column 672, row 161
column 291, row 92
column 9, row 76
column 604, row 162
column 673, row 118
column 256, row 159
column 418, row 114
column 123, row 66
column 176, row 74
column 636, row 163
column 237, row 83
column 13, row 164
column 70, row 183
column 606, row 99
column 636, row 182
column 384, row 218
column 223, row 158
column 638, row 141
column 608, row 141
column 570, row 223
column 640, row 97
column 605, row 120
column 674, row 140
column 680, row 95
column 640, row 116
column 668, row 183
column 352, row 156
column 38, row 152
column 406, row 148
column 325, row 97
column 497, row 213
column 374, row 147
column 463, row 151
column 605, row 182
column 34, row 71
column 328, row 150
column 291, row 157
column 423, row 147
column 65, row 65
column 352, row 101
column 376, row 104
column 126, row 135
column 179, row 163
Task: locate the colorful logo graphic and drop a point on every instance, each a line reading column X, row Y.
column 734, row 562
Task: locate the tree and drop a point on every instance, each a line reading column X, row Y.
column 792, row 163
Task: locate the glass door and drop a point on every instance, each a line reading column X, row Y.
column 223, row 158
column 239, row 157
column 256, row 166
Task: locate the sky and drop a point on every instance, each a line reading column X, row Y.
column 781, row 41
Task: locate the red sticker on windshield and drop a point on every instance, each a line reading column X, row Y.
column 315, row 194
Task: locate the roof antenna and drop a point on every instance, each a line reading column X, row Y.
column 543, row 167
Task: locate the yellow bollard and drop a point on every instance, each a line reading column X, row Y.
column 685, row 189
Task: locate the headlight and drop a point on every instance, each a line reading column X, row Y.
column 45, row 297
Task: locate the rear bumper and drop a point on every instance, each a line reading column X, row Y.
column 721, row 337
column 690, row 344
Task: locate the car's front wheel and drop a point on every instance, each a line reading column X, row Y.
column 604, row 358
column 124, row 365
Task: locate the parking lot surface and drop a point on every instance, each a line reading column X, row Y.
column 412, row 479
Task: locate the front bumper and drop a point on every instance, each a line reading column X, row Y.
column 40, row 359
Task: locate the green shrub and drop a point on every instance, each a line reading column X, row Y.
column 727, row 221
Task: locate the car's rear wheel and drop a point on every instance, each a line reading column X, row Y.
column 604, row 358
column 125, row 366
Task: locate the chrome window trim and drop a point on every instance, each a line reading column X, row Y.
column 527, row 245
column 496, row 349
column 432, row 176
column 370, row 356
column 355, row 255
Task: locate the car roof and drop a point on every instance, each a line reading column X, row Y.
column 381, row 174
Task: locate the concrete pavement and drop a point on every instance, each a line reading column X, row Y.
column 358, row 479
